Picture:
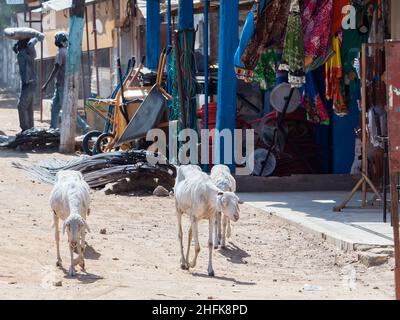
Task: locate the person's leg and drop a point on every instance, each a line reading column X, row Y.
column 31, row 99
column 22, row 108
column 56, row 107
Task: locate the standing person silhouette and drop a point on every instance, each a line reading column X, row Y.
column 26, row 54
column 58, row 72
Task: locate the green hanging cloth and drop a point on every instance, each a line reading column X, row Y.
column 293, row 50
column 265, row 71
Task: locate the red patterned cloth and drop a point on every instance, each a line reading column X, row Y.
column 338, row 15
column 317, row 21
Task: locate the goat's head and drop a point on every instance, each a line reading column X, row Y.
column 228, row 204
column 75, row 225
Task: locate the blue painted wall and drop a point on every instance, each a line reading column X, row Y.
column 343, row 137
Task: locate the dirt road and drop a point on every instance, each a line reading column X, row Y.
column 138, row 257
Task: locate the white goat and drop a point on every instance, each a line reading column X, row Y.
column 222, row 178
column 196, row 195
column 70, row 201
column 186, row 171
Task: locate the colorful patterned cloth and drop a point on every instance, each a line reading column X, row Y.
column 265, row 71
column 334, row 75
column 338, row 16
column 293, row 50
column 269, row 30
column 317, row 20
column 312, row 102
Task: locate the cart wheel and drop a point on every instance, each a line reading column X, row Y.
column 102, row 142
column 89, row 141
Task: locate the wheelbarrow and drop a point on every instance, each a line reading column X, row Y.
column 151, row 110
column 124, row 106
column 104, row 109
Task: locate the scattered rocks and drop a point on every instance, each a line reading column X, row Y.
column 57, row 283
column 12, row 282
column 103, row 231
column 160, row 191
column 116, row 259
column 372, row 259
column 387, row 251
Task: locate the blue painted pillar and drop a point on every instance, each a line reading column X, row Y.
column 169, row 39
column 152, row 33
column 185, row 14
column 228, row 43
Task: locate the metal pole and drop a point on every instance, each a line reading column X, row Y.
column 385, row 175
column 169, row 85
column 41, row 70
column 281, row 119
column 95, row 49
column 169, row 22
column 206, row 93
column 364, row 121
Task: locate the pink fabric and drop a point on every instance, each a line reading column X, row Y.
column 317, row 21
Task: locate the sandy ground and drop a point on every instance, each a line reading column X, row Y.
column 138, row 257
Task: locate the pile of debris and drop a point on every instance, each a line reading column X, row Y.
column 134, row 169
column 32, row 138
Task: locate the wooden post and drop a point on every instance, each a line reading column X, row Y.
column 396, row 237
column 71, row 87
column 95, row 56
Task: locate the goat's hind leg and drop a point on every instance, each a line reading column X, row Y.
column 210, row 247
column 184, row 264
column 190, row 235
column 196, row 243
column 57, row 238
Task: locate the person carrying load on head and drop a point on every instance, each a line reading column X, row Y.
column 58, row 72
column 26, row 54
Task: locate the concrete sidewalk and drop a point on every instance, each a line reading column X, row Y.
column 312, row 212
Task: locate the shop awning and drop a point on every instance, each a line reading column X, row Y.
column 59, row 5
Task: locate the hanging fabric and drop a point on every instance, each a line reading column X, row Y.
column 312, row 102
column 317, row 20
column 293, row 50
column 269, row 29
column 265, row 71
column 334, row 75
column 338, row 16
